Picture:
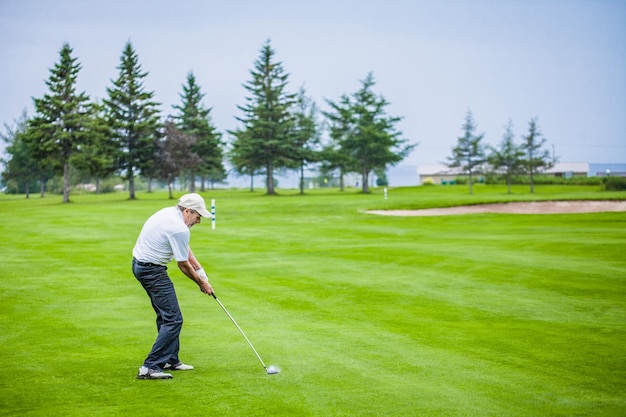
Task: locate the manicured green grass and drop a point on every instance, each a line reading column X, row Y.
column 472, row 315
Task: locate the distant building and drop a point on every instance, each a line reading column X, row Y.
column 442, row 174
column 438, row 174
column 568, row 169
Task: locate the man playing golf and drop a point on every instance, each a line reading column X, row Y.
column 165, row 236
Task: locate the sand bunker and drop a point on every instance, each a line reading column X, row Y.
column 534, row 207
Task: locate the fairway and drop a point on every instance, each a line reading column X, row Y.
column 487, row 314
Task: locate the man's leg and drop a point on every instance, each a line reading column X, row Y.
column 161, row 291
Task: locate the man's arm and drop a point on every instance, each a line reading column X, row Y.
column 193, row 261
column 191, row 268
column 196, row 266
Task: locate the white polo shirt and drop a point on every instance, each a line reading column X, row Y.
column 164, row 237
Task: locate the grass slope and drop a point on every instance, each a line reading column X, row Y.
column 474, row 315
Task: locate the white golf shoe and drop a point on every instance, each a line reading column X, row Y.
column 147, row 373
column 178, row 367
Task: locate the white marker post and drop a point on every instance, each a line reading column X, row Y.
column 385, row 193
column 213, row 214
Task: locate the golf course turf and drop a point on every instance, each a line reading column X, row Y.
column 486, row 314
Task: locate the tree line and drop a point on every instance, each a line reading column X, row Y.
column 125, row 133
column 508, row 160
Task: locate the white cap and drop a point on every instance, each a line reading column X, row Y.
column 195, row 202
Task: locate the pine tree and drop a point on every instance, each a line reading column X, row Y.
column 134, row 119
column 369, row 136
column 267, row 120
column 194, row 120
column 469, row 153
column 60, row 126
column 20, row 167
column 97, row 158
column 537, row 158
column 334, row 155
column 242, row 155
column 306, row 134
column 508, row 157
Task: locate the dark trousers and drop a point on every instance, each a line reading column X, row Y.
column 169, row 319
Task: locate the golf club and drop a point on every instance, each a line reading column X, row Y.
column 272, row 369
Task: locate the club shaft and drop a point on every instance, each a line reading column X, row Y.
column 240, row 330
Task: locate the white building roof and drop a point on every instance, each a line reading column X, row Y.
column 569, row 167
column 437, row 169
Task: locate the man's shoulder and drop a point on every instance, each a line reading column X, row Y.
column 164, row 217
column 164, row 213
column 173, row 220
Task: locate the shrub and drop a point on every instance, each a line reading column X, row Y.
column 381, row 181
column 614, row 183
column 543, row 179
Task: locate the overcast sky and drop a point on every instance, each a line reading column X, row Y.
column 562, row 61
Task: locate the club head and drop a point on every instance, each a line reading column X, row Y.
column 271, row 370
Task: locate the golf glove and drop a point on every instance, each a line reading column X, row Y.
column 202, row 274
